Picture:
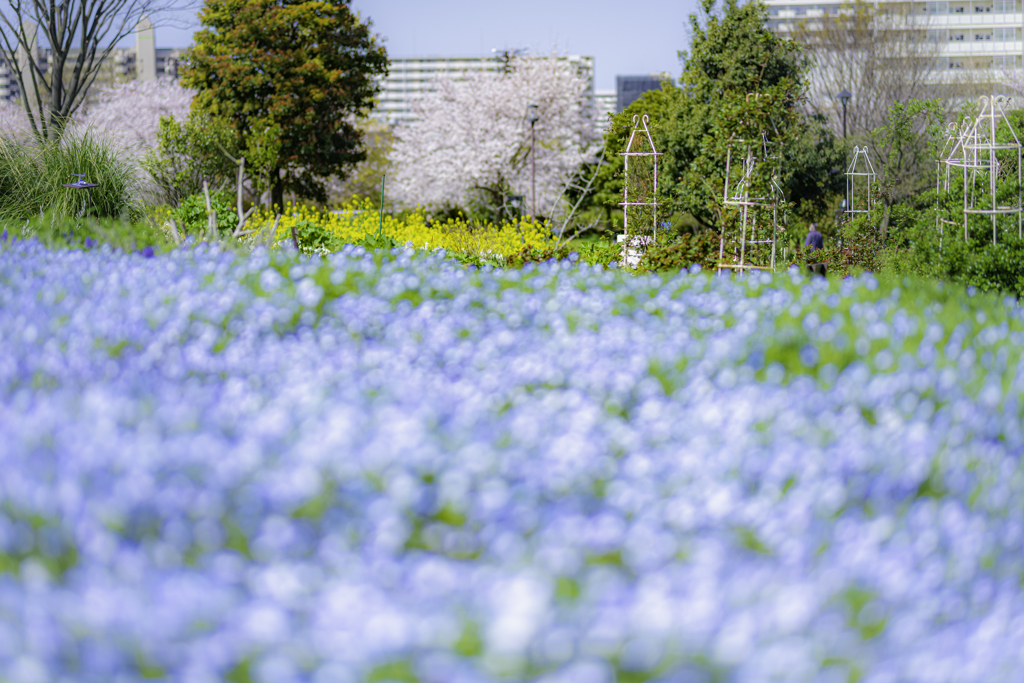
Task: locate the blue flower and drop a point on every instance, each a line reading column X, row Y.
column 328, row 469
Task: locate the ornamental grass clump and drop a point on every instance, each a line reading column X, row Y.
column 369, row 467
column 32, row 175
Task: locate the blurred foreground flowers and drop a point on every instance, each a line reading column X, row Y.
column 389, row 467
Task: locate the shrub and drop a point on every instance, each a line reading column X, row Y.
column 855, row 249
column 599, row 252
column 997, row 268
column 188, row 152
column 681, row 252
column 192, row 217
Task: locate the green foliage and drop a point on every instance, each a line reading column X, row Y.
column 593, row 252
column 597, row 252
column 192, row 217
column 681, row 252
column 913, row 246
column 32, row 176
column 189, row 152
column 855, row 249
column 304, row 66
column 378, row 241
column 400, row 671
column 56, row 231
column 315, row 238
column 900, row 237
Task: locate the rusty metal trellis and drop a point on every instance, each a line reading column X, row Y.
column 860, row 177
column 977, row 155
column 641, row 212
column 757, row 194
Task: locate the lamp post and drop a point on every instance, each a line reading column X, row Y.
column 844, row 97
column 533, row 117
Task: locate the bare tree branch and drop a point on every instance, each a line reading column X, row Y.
column 80, row 35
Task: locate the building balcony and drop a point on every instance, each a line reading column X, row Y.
column 972, row 19
column 980, row 47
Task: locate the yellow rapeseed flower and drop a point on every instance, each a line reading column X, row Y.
column 360, row 218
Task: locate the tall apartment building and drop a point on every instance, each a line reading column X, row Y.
column 604, row 108
column 412, row 78
column 142, row 61
column 982, row 35
column 630, row 88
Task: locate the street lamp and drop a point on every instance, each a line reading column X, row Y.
column 844, row 97
column 533, row 117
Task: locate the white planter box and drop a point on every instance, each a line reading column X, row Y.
column 633, row 248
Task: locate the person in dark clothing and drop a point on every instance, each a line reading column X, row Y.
column 816, row 241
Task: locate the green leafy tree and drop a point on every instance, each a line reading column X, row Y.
column 306, row 67
column 740, row 81
column 908, row 145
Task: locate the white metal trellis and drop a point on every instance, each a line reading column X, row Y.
column 976, row 156
column 645, row 196
column 943, row 178
column 757, row 192
column 860, row 177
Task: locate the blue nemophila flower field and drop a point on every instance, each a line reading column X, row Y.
column 370, row 468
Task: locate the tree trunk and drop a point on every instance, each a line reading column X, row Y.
column 54, row 125
column 276, row 189
column 884, row 227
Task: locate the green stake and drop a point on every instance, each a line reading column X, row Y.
column 380, row 230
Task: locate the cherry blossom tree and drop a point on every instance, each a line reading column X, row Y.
column 1014, row 79
column 13, row 122
column 129, row 113
column 471, row 143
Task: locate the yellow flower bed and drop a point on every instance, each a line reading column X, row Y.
column 357, row 220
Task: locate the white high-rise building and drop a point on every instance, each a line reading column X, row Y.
column 412, row 78
column 982, row 35
column 604, row 107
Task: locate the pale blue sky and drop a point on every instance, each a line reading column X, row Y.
column 625, row 37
